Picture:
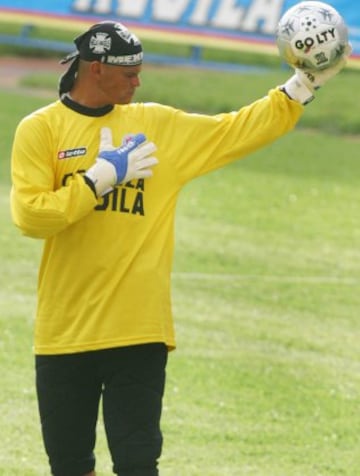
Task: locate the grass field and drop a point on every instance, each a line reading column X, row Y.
column 266, row 378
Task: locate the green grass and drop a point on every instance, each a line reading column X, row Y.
column 335, row 109
column 266, row 377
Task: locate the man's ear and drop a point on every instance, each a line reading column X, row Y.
column 95, row 67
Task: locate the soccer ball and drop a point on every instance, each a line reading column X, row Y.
column 311, row 35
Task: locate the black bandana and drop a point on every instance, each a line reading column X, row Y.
column 107, row 42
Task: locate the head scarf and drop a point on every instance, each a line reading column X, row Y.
column 108, row 42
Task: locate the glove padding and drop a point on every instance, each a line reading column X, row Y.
column 302, row 85
column 114, row 165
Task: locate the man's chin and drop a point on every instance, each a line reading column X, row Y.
column 126, row 99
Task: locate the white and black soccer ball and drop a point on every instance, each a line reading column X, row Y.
column 311, row 35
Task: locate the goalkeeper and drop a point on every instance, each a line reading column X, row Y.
column 97, row 178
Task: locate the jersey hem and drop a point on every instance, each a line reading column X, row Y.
column 52, row 350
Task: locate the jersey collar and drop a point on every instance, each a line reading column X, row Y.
column 86, row 111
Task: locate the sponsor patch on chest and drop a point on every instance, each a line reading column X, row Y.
column 70, row 153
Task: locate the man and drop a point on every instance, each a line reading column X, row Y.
column 85, row 179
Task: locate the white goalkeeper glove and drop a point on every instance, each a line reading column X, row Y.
column 302, row 85
column 114, row 165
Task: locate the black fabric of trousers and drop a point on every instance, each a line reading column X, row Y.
column 130, row 381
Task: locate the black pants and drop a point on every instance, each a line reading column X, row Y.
column 130, row 381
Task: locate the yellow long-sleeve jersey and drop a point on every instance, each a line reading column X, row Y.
column 104, row 279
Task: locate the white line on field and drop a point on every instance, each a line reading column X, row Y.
column 262, row 277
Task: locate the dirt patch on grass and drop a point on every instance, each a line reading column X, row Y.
column 13, row 69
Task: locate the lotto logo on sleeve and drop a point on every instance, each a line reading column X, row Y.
column 71, row 153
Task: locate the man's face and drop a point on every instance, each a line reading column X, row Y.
column 118, row 83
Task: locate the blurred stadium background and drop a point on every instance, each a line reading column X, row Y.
column 206, row 30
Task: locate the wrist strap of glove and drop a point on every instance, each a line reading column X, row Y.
column 103, row 176
column 296, row 90
column 90, row 184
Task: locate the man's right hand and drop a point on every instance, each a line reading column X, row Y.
column 114, row 165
